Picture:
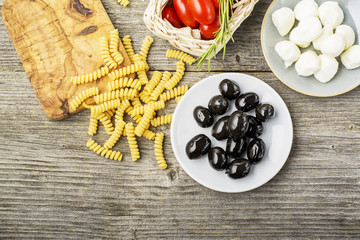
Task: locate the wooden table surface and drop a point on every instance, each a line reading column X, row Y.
column 52, row 186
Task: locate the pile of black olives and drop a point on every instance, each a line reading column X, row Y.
column 240, row 129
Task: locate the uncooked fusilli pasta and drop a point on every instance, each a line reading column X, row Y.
column 130, row 134
column 145, row 50
column 113, row 155
column 141, row 109
column 144, row 123
column 128, row 47
column 106, row 121
column 118, row 131
column 93, row 126
column 114, row 46
column 172, row 53
column 118, row 73
column 180, row 70
column 119, row 115
column 97, row 109
column 159, row 152
column 123, row 93
column 162, row 120
column 153, row 82
column 123, row 3
column 161, row 86
column 90, row 77
column 77, row 101
column 177, row 99
column 105, row 53
column 123, row 83
column 181, row 90
column 149, row 135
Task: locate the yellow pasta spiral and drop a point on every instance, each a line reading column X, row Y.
column 97, row 109
column 105, row 53
column 128, row 47
column 90, row 77
column 144, row 123
column 161, row 86
column 172, row 53
column 159, row 152
column 155, row 79
column 162, row 120
column 93, row 126
column 118, row 131
column 113, row 155
column 114, row 46
column 141, row 109
column 106, row 121
column 145, row 97
column 110, row 112
column 142, row 73
column 77, row 101
column 124, row 82
column 123, row 3
column 180, row 70
column 181, row 90
column 123, row 93
column 130, row 134
column 149, row 135
column 119, row 115
column 118, row 73
column 145, row 50
column 136, row 102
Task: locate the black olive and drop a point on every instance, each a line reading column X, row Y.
column 203, row 116
column 217, row 158
column 255, row 127
column 198, row 146
column 218, row 105
column 256, row 150
column 221, row 129
column 264, row 111
column 238, row 124
column 229, row 89
column 238, row 168
column 235, row 148
column 247, row 101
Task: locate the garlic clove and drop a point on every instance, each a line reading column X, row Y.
column 305, row 9
column 348, row 34
column 333, row 45
column 351, row 57
column 308, row 64
column 330, row 13
column 288, row 51
column 283, row 19
column 328, row 68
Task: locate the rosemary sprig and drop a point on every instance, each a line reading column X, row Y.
column 221, row 35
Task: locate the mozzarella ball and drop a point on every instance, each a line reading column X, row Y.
column 288, row 52
column 308, row 64
column 330, row 13
column 351, row 57
column 348, row 34
column 283, row 19
column 327, row 31
column 305, row 9
column 309, row 29
column 333, row 45
column 328, row 68
column 295, row 38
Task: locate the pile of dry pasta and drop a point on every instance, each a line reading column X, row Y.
column 140, row 98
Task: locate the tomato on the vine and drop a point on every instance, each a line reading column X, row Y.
column 202, row 10
column 183, row 12
column 216, row 3
column 208, row 31
column 170, row 15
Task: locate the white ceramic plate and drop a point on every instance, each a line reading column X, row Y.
column 277, row 134
column 344, row 81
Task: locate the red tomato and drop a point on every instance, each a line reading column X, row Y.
column 202, row 10
column 216, row 3
column 183, row 12
column 170, row 15
column 208, row 31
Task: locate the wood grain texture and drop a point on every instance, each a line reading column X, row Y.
column 56, row 40
column 52, row 187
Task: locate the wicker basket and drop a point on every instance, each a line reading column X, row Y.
column 187, row 39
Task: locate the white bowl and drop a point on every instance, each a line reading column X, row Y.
column 277, row 134
column 344, row 81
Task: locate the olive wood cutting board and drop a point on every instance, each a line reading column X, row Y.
column 57, row 39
